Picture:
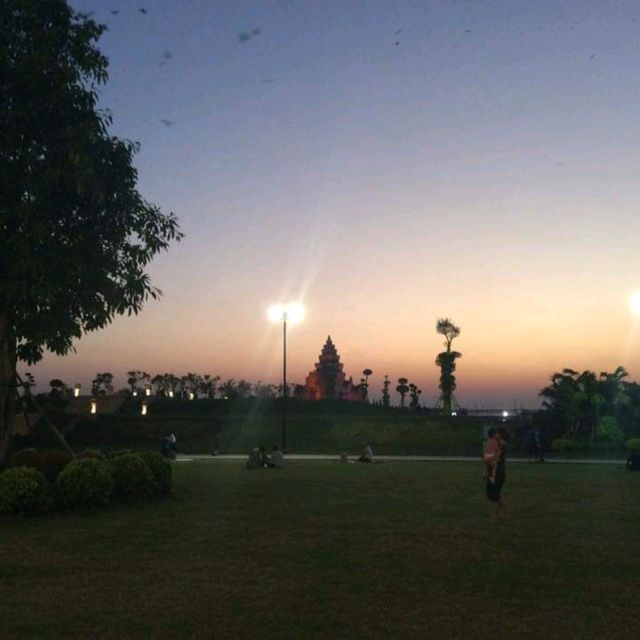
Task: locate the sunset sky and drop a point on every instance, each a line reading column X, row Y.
column 485, row 168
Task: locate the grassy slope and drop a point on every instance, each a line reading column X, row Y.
column 323, row 550
column 311, row 429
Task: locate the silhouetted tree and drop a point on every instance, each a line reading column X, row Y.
column 402, row 389
column 209, row 385
column 158, row 384
column 366, row 373
column 446, row 360
column 229, row 390
column 414, row 394
column 386, row 396
column 102, row 384
column 244, row 389
column 58, row 387
column 75, row 234
column 575, row 403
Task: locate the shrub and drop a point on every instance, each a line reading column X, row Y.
column 132, row 478
column 22, row 490
column 633, row 444
column 610, row 431
column 160, row 469
column 49, row 462
column 85, row 482
column 562, row 445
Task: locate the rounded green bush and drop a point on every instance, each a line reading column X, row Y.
column 23, row 490
column 85, row 482
column 609, row 430
column 633, row 444
column 161, row 470
column 49, row 462
column 132, row 478
column 562, row 445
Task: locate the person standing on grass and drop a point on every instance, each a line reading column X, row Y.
column 495, row 461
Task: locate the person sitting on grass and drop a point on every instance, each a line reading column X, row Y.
column 264, row 457
column 255, row 460
column 277, row 458
column 367, row 454
column 633, row 461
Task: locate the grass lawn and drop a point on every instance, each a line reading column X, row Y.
column 324, row 550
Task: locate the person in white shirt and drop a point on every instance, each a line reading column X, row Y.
column 367, row 454
column 277, row 458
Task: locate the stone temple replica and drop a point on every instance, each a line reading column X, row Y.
column 327, row 380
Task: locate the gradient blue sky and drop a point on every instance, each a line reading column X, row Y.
column 486, row 168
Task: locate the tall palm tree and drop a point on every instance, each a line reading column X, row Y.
column 402, row 389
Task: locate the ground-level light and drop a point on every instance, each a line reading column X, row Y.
column 76, row 391
column 171, row 393
column 191, row 395
column 94, row 406
column 143, row 410
column 147, row 391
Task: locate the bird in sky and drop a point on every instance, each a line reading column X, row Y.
column 114, row 12
column 255, row 32
column 143, row 11
column 398, row 31
column 244, row 36
column 165, row 122
column 167, row 55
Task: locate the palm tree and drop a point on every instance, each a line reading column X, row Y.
column 402, row 389
column 415, row 393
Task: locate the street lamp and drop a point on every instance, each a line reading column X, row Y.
column 292, row 313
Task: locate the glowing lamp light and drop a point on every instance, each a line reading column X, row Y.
column 147, row 391
column 94, row 407
column 505, row 414
column 143, row 410
column 135, row 393
column 634, row 302
column 293, row 313
column 76, row 391
column 191, row 395
column 454, row 413
column 171, row 393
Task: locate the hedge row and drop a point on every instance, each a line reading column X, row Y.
column 564, row 445
column 46, row 481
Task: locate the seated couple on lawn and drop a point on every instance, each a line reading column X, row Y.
column 258, row 459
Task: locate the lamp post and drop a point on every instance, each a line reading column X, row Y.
column 292, row 313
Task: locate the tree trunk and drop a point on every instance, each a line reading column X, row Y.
column 7, row 386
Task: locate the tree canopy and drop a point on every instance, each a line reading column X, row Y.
column 75, row 234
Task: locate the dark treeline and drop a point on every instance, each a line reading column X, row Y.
column 591, row 407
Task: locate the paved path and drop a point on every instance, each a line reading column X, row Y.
column 336, row 457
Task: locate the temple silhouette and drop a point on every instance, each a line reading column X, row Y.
column 328, row 380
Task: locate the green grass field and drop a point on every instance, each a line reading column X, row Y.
column 324, row 550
